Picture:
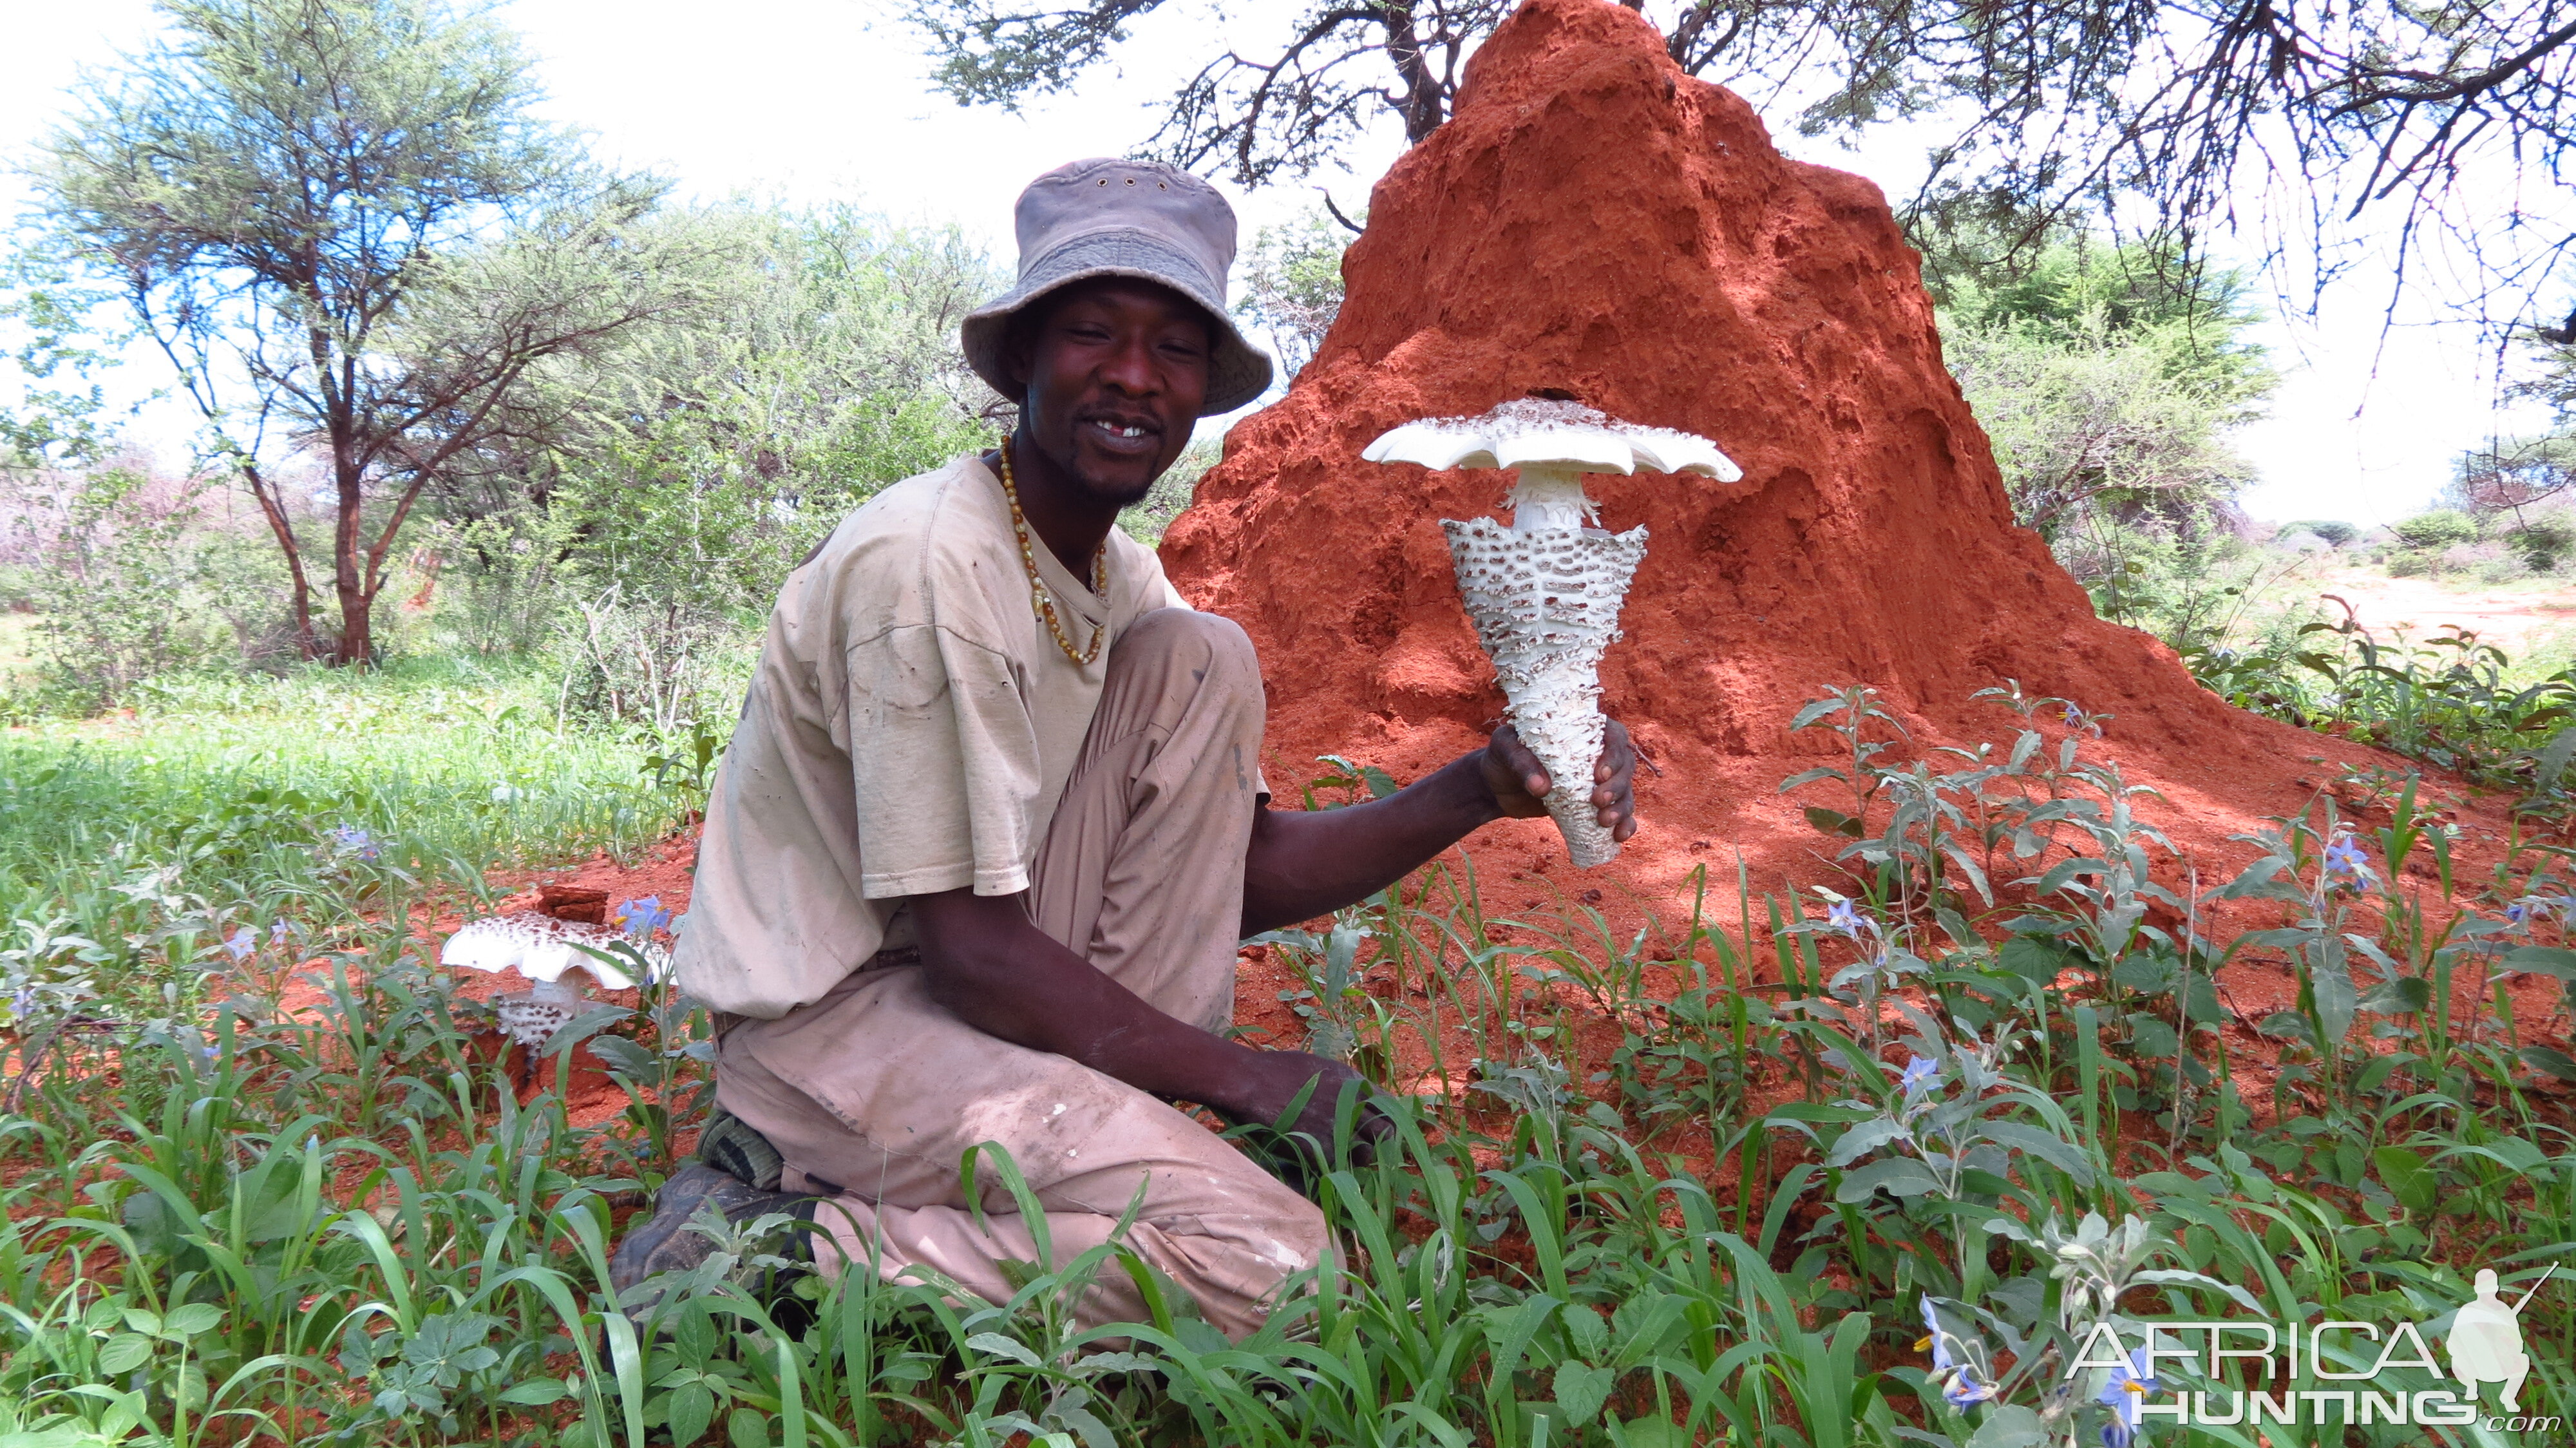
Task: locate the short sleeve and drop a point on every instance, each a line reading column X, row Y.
column 944, row 763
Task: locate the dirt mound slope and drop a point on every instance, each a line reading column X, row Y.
column 1594, row 222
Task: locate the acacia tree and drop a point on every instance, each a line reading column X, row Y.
column 322, row 212
column 2053, row 108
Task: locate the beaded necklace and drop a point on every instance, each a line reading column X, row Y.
column 1037, row 590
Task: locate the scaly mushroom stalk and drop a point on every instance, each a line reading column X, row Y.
column 1545, row 592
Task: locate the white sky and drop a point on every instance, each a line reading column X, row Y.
column 809, row 99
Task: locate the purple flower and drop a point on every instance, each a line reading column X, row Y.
column 2529, row 910
column 1845, row 918
column 2073, row 716
column 2345, row 860
column 356, row 840
column 277, row 933
column 640, row 918
column 1963, row 1389
column 241, row 943
column 1917, row 1077
column 23, row 1004
column 1934, row 1338
column 1959, row 1385
column 2128, row 1384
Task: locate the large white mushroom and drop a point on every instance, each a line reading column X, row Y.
column 1545, row 592
column 547, row 953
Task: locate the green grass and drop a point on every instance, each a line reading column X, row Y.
column 1687, row 1188
column 132, row 845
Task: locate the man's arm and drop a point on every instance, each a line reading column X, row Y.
column 989, row 965
column 1305, row 863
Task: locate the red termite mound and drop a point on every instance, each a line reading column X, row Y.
column 1592, row 221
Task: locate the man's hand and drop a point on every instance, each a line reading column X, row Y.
column 1306, row 863
column 1520, row 783
column 990, row 966
column 1282, row 1074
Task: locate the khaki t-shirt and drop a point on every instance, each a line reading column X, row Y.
column 909, row 730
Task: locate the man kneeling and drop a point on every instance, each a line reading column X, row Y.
column 992, row 824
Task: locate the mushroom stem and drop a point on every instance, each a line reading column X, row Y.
column 1545, row 498
column 1545, row 602
column 1558, row 715
column 563, row 990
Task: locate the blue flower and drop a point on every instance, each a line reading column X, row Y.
column 23, row 1004
column 1917, row 1077
column 2073, row 716
column 2344, row 859
column 2529, row 910
column 277, row 933
column 356, row 840
column 640, row 918
column 241, row 943
column 1845, row 918
column 1963, row 1389
column 2122, row 1392
column 1934, row 1338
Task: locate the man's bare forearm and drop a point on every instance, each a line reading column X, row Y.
column 989, row 965
column 1306, row 863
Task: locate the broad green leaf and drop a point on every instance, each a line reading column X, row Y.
column 2543, row 960
column 2009, row 1426
column 2336, row 999
column 2047, row 1146
column 2034, row 958
column 535, row 1393
column 2401, row 995
column 693, row 1411
column 1581, row 1389
column 1650, row 1433
column 2548, row 1061
column 1863, row 1139
column 2408, row 1179
column 1832, row 822
column 1899, row 1175
column 995, row 1345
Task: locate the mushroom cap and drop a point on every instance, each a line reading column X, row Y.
column 541, row 947
column 1555, row 436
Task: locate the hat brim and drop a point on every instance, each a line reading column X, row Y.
column 1238, row 372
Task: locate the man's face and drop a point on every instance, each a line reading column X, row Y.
column 1114, row 372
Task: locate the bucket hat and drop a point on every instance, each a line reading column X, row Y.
column 1111, row 218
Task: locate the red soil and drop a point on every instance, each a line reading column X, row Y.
column 1596, row 222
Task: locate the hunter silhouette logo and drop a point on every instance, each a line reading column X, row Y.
column 2486, row 1340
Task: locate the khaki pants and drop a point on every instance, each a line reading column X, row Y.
column 873, row 1093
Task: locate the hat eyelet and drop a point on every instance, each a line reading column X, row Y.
column 1131, row 180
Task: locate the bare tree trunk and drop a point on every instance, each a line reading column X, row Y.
column 357, row 603
column 1424, row 106
column 273, row 508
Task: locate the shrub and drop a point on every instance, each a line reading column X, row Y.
column 2543, row 541
column 2435, row 530
column 2335, row 532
